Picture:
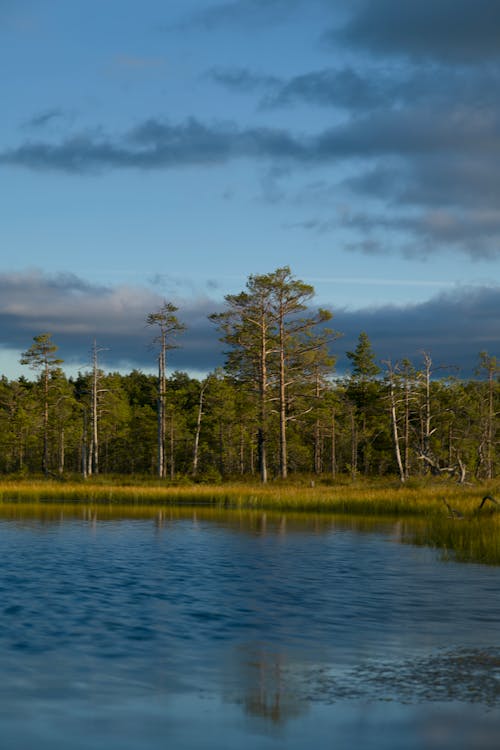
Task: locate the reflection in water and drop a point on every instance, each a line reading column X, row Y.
column 201, row 629
column 459, row 675
column 272, row 688
column 266, row 686
column 474, row 539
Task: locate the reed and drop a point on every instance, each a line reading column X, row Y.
column 417, row 514
column 375, row 498
column 474, row 539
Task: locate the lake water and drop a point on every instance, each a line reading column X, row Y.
column 194, row 630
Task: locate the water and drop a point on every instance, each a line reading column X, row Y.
column 249, row 631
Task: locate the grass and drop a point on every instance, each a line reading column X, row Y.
column 475, row 539
column 379, row 498
column 418, row 507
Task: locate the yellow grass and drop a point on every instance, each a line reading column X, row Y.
column 363, row 498
column 425, row 517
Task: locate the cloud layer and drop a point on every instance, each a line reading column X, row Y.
column 408, row 121
column 75, row 312
column 444, row 30
column 454, row 327
column 400, row 125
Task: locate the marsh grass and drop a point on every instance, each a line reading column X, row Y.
column 473, row 539
column 417, row 513
column 380, row 498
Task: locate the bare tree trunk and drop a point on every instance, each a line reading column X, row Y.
column 282, row 403
column 95, row 388
column 89, row 457
column 354, row 446
column 427, row 405
column 45, row 458
column 61, row 451
column 489, row 425
column 317, row 448
column 394, row 423
column 407, row 430
column 161, row 414
column 317, row 433
column 84, row 445
column 169, row 326
column 334, row 445
column 172, row 448
column 221, row 448
column 263, row 407
column 242, row 450
column 198, row 429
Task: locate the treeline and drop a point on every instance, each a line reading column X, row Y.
column 275, row 409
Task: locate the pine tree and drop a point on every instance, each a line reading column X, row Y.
column 41, row 356
column 169, row 326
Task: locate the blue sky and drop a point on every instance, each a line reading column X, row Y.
column 153, row 150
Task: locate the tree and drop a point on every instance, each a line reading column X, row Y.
column 96, row 396
column 295, row 341
column 391, row 380
column 364, row 367
column 247, row 326
column 41, row 356
column 199, row 414
column 271, row 343
column 363, row 391
column 491, row 369
column 169, row 326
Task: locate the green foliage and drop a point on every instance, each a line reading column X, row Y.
column 275, row 353
column 364, row 366
column 273, row 411
column 328, row 424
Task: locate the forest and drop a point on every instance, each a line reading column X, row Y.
column 276, row 410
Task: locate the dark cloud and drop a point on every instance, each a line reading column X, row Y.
column 345, row 88
column 44, row 118
column 157, row 145
column 75, row 312
column 472, row 232
column 454, row 327
column 239, row 79
column 378, row 87
column 445, row 30
column 412, row 134
column 462, row 183
column 242, row 12
column 434, row 168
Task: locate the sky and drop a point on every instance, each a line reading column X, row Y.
column 154, row 151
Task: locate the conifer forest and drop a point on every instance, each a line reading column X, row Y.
column 277, row 408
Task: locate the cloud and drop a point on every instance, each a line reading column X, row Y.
column 239, row 79
column 434, row 168
column 75, row 312
column 43, row 118
column 342, row 88
column 473, row 232
column 242, row 13
column 158, row 144
column 377, row 87
column 454, row 326
column 449, row 31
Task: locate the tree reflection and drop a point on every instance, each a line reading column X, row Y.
column 268, row 685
